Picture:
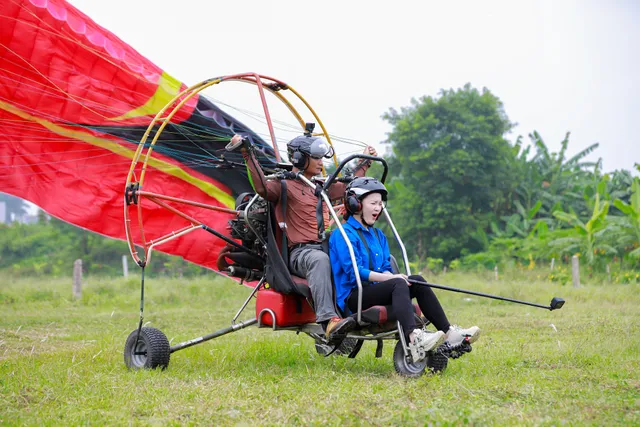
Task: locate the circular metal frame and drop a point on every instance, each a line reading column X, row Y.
column 162, row 118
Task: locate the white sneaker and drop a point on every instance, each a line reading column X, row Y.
column 423, row 342
column 458, row 335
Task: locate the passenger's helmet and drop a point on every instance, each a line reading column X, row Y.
column 358, row 189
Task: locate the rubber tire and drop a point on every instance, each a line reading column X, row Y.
column 154, row 343
column 437, row 361
column 348, row 347
column 406, row 368
column 323, row 349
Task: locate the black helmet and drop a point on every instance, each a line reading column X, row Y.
column 358, row 189
column 302, row 147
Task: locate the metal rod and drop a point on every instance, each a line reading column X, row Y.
column 346, row 240
column 333, row 176
column 273, row 318
column 390, row 335
column 245, row 215
column 231, row 242
column 405, row 258
column 480, row 294
column 405, row 347
column 213, row 335
column 141, row 306
column 233, row 321
column 166, row 239
column 267, row 116
column 187, row 202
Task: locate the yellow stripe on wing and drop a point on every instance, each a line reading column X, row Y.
column 168, row 88
column 166, row 167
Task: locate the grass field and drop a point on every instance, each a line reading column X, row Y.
column 61, row 360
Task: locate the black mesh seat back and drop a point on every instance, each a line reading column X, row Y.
column 394, row 264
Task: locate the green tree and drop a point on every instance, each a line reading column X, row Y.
column 452, row 170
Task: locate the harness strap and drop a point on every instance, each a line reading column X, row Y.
column 361, row 234
column 320, row 214
column 283, row 224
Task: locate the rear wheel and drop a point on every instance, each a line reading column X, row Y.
column 349, row 347
column 151, row 350
column 324, row 349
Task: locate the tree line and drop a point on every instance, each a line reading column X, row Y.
column 51, row 246
column 460, row 195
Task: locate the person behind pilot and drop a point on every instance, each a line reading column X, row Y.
column 306, row 257
column 364, row 200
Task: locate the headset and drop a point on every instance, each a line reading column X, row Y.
column 299, row 159
column 352, row 203
column 366, row 185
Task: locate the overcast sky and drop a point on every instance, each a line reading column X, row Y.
column 557, row 66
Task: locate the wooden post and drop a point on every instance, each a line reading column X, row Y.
column 125, row 266
column 553, row 262
column 77, row 279
column 575, row 271
column 609, row 272
column 495, row 270
column 444, row 270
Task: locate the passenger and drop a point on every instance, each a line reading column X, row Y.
column 306, row 257
column 364, row 200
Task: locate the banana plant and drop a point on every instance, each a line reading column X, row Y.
column 522, row 223
column 587, row 238
column 629, row 225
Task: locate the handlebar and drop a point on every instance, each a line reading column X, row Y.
column 282, row 175
column 342, row 164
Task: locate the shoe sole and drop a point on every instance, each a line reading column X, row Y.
column 473, row 338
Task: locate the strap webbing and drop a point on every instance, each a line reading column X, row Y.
column 361, row 234
column 283, row 224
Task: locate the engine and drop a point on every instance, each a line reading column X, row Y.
column 251, row 225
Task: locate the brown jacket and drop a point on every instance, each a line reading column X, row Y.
column 302, row 226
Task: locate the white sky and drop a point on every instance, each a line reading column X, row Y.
column 557, row 65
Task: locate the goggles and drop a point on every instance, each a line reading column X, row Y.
column 320, row 149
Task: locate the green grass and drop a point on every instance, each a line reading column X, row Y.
column 61, row 360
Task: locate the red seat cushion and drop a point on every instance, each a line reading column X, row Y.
column 381, row 314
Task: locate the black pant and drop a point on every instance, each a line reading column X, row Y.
column 396, row 293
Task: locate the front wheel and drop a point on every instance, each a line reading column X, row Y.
column 404, row 364
column 151, row 350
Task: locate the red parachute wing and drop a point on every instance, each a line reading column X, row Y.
column 74, row 103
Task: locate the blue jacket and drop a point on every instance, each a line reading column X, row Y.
column 343, row 274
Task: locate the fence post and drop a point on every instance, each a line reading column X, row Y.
column 125, row 266
column 77, row 279
column 553, row 262
column 609, row 272
column 575, row 271
column 444, row 270
column 495, row 270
